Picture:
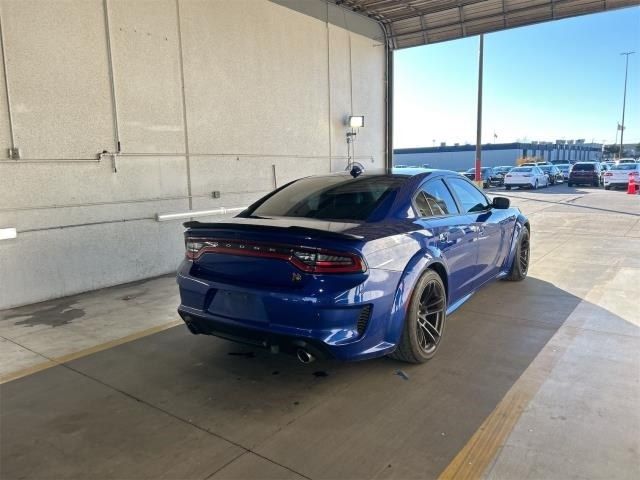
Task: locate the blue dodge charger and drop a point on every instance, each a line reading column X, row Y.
column 352, row 265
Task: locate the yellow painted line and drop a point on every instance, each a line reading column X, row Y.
column 52, row 362
column 479, row 452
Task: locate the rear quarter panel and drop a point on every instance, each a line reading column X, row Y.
column 405, row 257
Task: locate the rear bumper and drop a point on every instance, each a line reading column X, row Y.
column 618, row 182
column 584, row 180
column 513, row 184
column 200, row 324
column 348, row 325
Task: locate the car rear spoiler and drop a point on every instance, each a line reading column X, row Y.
column 195, row 225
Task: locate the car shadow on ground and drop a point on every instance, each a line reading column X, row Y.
column 326, row 419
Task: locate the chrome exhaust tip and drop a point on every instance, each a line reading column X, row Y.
column 304, row 356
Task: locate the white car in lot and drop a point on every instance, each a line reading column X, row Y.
column 530, row 177
column 625, row 160
column 618, row 176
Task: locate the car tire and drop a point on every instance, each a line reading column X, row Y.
column 607, row 187
column 535, row 186
column 597, row 183
column 419, row 341
column 520, row 264
column 569, row 184
column 508, row 187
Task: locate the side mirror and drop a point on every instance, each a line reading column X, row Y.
column 501, row 203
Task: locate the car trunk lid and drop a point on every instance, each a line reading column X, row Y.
column 274, row 252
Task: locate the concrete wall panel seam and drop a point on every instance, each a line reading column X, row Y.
column 116, row 202
column 184, row 105
column 112, row 83
column 328, row 88
column 51, row 160
column 87, row 224
column 6, row 84
column 233, row 155
column 350, row 76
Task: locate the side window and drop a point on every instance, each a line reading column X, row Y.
column 435, row 200
column 470, row 197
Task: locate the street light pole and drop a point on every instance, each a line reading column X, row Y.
column 479, row 119
column 624, row 101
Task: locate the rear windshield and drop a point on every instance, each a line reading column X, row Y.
column 563, row 167
column 625, row 166
column 583, row 167
column 338, row 197
column 521, row 169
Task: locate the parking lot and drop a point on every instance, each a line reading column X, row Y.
column 537, row 379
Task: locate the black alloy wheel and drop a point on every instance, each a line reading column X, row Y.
column 424, row 322
column 520, row 265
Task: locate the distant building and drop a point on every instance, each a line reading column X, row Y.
column 459, row 157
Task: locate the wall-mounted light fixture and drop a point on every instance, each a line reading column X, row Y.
column 353, row 122
column 356, row 121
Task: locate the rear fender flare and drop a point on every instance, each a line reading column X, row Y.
column 521, row 221
column 420, row 262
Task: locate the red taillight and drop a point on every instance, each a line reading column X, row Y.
column 327, row 262
column 310, row 260
column 608, row 174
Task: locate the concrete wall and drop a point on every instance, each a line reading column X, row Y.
column 206, row 95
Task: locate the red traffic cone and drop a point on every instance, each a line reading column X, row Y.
column 631, row 189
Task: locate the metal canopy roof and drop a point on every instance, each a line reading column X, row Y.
column 409, row 23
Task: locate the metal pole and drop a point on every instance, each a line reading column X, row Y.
column 479, row 119
column 624, row 101
column 389, row 108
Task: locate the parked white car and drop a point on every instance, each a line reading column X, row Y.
column 618, row 176
column 625, row 160
column 530, row 177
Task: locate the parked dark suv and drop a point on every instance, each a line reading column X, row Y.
column 584, row 173
column 487, row 175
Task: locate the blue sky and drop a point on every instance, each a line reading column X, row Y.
column 555, row 80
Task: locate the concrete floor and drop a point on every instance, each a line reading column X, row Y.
column 538, row 379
